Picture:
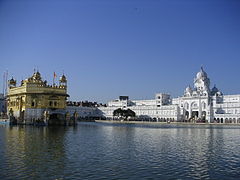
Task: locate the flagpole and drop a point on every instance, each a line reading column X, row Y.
column 54, row 79
column 3, row 83
column 54, row 76
column 6, row 83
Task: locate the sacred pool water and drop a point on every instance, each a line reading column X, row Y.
column 120, row 151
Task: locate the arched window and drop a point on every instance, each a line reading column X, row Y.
column 194, row 105
column 203, row 105
column 186, row 105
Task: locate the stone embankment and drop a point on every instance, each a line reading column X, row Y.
column 174, row 123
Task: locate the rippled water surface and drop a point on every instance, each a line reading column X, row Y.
column 120, row 151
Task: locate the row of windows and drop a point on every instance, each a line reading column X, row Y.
column 195, row 95
column 166, row 112
column 195, row 105
column 144, row 112
column 221, row 111
column 51, row 104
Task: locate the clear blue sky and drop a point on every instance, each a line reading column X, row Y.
column 109, row 48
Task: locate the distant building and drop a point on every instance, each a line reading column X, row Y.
column 85, row 109
column 36, row 101
column 84, row 104
column 145, row 109
column 84, row 112
column 197, row 104
column 3, row 108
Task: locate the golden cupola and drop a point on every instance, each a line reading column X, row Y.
column 12, row 82
column 63, row 80
column 35, row 78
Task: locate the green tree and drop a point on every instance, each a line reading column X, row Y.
column 125, row 113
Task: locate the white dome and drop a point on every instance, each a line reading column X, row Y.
column 201, row 74
column 188, row 90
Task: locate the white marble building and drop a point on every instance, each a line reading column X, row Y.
column 199, row 103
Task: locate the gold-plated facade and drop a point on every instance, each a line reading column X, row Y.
column 34, row 97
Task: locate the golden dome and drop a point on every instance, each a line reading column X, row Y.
column 63, row 79
column 12, row 82
column 37, row 76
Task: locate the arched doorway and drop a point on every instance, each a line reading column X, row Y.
column 226, row 120
column 187, row 115
column 204, row 115
column 195, row 114
column 221, row 120
column 234, row 120
column 56, row 119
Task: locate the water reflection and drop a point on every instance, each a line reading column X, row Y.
column 98, row 151
column 29, row 151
